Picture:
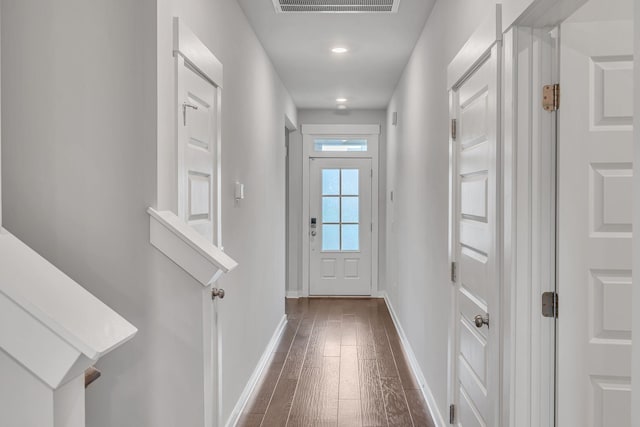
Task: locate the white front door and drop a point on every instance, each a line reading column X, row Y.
column 340, row 226
column 595, row 216
column 197, row 136
column 475, row 233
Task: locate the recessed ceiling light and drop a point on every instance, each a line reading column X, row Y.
column 341, row 99
column 342, row 107
column 339, row 50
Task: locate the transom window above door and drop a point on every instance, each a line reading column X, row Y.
column 340, row 144
column 340, row 210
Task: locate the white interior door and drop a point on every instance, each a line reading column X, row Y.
column 340, row 226
column 594, row 216
column 475, row 221
column 198, row 175
column 197, row 136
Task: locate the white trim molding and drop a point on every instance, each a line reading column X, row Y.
column 196, row 53
column 341, row 129
column 53, row 331
column 475, row 51
column 44, row 306
column 257, row 374
column 183, row 245
column 529, row 226
column 436, row 416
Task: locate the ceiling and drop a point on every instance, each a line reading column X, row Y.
column 299, row 44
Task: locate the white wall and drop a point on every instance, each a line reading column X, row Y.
column 417, row 172
column 80, row 97
column 307, row 116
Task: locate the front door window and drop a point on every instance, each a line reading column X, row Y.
column 340, row 210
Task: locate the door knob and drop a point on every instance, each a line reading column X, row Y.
column 480, row 321
column 217, row 293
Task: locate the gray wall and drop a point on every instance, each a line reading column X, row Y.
column 376, row 117
column 417, row 173
column 81, row 112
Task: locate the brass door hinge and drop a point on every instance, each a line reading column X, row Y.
column 452, row 414
column 454, row 129
column 551, row 97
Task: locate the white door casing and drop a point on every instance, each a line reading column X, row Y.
column 595, row 216
column 475, row 241
column 311, row 133
column 529, row 255
column 341, row 226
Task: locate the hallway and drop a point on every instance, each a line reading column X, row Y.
column 339, row 362
column 178, row 177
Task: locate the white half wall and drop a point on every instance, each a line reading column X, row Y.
column 321, row 117
column 417, row 173
column 80, row 92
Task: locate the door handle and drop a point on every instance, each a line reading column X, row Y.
column 481, row 321
column 186, row 105
column 217, row 293
column 313, row 225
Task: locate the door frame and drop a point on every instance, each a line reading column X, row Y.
column 483, row 43
column 289, row 128
column 531, row 60
column 372, row 133
column 529, row 265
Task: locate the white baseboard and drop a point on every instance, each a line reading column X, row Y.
column 257, row 373
column 293, row 294
column 415, row 367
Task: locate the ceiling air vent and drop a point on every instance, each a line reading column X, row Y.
column 336, row 6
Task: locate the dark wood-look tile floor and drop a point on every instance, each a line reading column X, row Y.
column 338, row 363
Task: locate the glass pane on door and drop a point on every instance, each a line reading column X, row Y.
column 350, row 182
column 350, row 209
column 330, row 182
column 340, row 210
column 330, row 209
column 350, row 237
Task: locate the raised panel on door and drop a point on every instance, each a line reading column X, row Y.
column 340, row 224
column 594, row 216
column 197, row 134
column 476, row 364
